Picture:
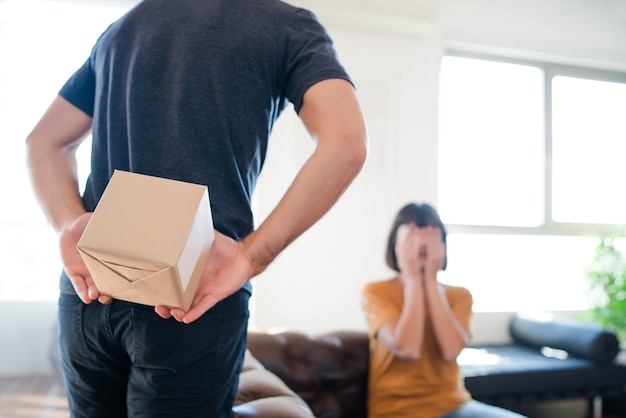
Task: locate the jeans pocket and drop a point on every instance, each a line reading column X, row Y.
column 173, row 358
column 73, row 347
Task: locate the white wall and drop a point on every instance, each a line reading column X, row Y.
column 392, row 49
column 323, row 271
column 315, row 285
column 585, row 32
column 26, row 330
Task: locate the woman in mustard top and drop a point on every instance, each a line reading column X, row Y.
column 418, row 327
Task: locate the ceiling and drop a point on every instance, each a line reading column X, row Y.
column 588, row 28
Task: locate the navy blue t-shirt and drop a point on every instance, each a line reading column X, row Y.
column 190, row 89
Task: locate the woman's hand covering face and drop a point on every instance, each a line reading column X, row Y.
column 420, row 251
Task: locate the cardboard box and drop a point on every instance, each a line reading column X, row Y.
column 148, row 239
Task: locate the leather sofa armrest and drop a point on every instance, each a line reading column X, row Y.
column 328, row 371
column 261, row 394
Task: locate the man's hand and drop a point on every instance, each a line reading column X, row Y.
column 227, row 270
column 73, row 263
column 332, row 116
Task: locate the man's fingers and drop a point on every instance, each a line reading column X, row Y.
column 206, row 303
column 166, row 313
column 178, row 314
column 163, row 311
column 186, row 317
column 105, row 300
column 84, row 296
column 80, row 287
column 92, row 289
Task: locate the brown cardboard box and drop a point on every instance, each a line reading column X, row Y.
column 148, row 239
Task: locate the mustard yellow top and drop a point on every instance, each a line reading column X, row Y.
column 427, row 388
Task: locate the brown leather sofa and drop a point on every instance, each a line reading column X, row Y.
column 262, row 394
column 292, row 375
column 298, row 375
column 289, row 374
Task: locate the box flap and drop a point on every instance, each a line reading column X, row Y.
column 122, row 261
column 146, row 287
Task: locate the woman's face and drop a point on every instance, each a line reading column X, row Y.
column 426, row 237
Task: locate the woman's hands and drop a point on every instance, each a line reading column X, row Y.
column 420, row 254
column 420, row 251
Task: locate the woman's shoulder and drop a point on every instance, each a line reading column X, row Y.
column 380, row 293
column 457, row 291
column 379, row 286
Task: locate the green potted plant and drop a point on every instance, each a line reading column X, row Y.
column 607, row 284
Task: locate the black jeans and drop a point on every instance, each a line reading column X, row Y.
column 123, row 360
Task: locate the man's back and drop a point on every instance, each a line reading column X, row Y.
column 190, row 90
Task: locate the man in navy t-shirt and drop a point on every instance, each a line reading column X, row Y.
column 188, row 90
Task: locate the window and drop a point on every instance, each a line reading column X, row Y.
column 530, row 174
column 589, row 145
column 42, row 42
column 497, row 119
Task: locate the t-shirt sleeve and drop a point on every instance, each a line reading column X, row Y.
column 461, row 302
column 80, row 89
column 377, row 307
column 311, row 56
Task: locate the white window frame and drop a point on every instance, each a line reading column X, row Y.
column 549, row 227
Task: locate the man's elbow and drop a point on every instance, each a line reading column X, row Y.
column 356, row 150
column 35, row 146
column 33, row 141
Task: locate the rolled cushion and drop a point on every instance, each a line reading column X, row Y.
column 328, row 370
column 574, row 337
column 261, row 394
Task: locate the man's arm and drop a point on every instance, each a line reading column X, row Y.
column 332, row 115
column 51, row 158
column 51, row 152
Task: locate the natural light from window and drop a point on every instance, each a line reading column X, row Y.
column 491, row 137
column 42, row 42
column 505, row 244
column 589, row 142
column 508, row 273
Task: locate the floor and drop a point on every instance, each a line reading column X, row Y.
column 566, row 408
column 32, row 397
column 43, row 397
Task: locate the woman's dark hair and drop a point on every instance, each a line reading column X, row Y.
column 420, row 214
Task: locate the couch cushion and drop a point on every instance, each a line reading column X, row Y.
column 328, row 371
column 261, row 394
column 520, row 373
column 541, row 329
